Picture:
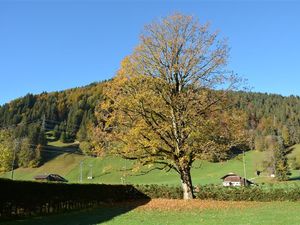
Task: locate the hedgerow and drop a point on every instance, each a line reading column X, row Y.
column 23, row 198
column 217, row 192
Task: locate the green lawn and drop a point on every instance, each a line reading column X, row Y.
column 178, row 214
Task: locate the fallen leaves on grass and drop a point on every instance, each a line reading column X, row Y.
column 183, row 205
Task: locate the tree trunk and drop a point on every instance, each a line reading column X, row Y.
column 186, row 181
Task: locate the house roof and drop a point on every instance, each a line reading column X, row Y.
column 50, row 177
column 232, row 177
column 41, row 176
column 228, row 175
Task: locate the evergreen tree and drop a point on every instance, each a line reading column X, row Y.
column 286, row 136
column 281, row 161
column 82, row 134
column 56, row 132
column 63, row 137
column 276, row 161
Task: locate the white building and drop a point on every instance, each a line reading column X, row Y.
column 233, row 180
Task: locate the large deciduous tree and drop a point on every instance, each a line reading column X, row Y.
column 168, row 104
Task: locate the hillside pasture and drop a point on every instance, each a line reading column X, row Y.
column 114, row 170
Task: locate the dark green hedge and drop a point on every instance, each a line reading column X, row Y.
column 161, row 191
column 217, row 192
column 249, row 193
column 23, row 198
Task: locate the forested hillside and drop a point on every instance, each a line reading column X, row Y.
column 68, row 115
column 270, row 114
column 29, row 121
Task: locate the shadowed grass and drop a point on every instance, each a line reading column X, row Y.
column 179, row 212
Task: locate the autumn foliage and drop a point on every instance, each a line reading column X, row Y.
column 168, row 105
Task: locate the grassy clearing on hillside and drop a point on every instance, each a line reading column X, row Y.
column 179, row 212
column 113, row 170
column 60, row 144
column 62, row 165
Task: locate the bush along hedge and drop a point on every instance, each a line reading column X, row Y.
column 23, row 198
column 217, row 192
column 161, row 191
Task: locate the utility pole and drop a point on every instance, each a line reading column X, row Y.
column 244, row 163
column 81, row 164
column 16, row 144
column 91, row 171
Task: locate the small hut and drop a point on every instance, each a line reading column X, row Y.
column 233, row 180
column 50, row 178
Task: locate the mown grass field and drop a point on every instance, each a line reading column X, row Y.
column 178, row 212
column 112, row 170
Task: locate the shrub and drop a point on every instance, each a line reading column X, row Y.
column 161, row 191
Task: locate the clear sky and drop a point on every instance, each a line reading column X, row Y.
column 54, row 45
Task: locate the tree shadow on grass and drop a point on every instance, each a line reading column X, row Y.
column 97, row 215
column 52, row 152
column 104, row 212
column 294, row 178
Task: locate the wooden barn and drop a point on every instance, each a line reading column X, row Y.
column 50, row 178
column 234, row 180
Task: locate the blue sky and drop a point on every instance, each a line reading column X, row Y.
column 54, row 45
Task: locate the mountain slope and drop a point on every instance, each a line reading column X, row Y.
column 113, row 170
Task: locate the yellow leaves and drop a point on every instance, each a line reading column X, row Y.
column 6, row 150
column 107, row 169
column 196, row 205
column 126, row 69
column 161, row 105
column 136, row 169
